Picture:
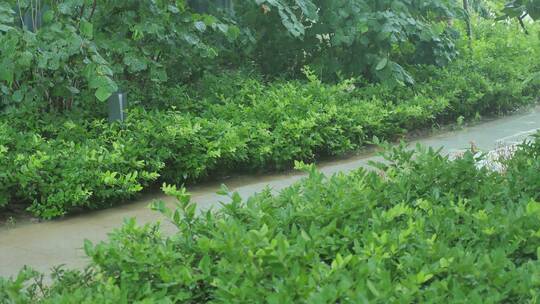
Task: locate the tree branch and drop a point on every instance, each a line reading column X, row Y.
column 523, row 24
column 93, row 10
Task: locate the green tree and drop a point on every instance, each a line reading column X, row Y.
column 85, row 49
column 368, row 38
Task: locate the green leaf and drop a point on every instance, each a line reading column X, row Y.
column 363, row 28
column 205, row 265
column 103, row 93
column 5, row 28
column 173, row 9
column 73, row 90
column 6, row 73
column 87, row 29
column 18, row 96
column 200, row 26
column 382, row 64
column 88, row 248
column 6, row 13
column 134, row 63
column 25, row 59
column 223, row 190
column 48, row 16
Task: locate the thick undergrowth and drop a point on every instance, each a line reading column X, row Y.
column 59, row 162
column 423, row 228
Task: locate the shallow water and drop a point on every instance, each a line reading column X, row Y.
column 47, row 244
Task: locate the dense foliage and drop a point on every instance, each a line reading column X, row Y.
column 58, row 163
column 423, row 229
column 72, row 53
column 84, row 50
column 257, row 86
column 58, row 55
column 372, row 39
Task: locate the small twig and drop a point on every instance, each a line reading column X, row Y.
column 32, row 14
column 81, row 15
column 20, row 13
column 38, row 13
column 93, row 9
column 523, row 24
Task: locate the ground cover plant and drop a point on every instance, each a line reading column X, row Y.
column 422, row 228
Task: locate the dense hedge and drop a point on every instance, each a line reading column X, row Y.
column 59, row 162
column 425, row 229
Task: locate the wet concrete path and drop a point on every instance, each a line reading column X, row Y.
column 47, row 244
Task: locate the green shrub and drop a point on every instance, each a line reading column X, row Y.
column 6, row 135
column 56, row 175
column 424, row 229
column 522, row 172
column 236, row 121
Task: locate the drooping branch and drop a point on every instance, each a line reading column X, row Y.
column 93, row 9
column 81, row 14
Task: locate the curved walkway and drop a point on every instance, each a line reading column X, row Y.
column 47, row 244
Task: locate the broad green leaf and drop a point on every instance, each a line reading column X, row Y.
column 381, row 64
column 18, row 96
column 87, row 29
column 6, row 73
column 103, row 93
